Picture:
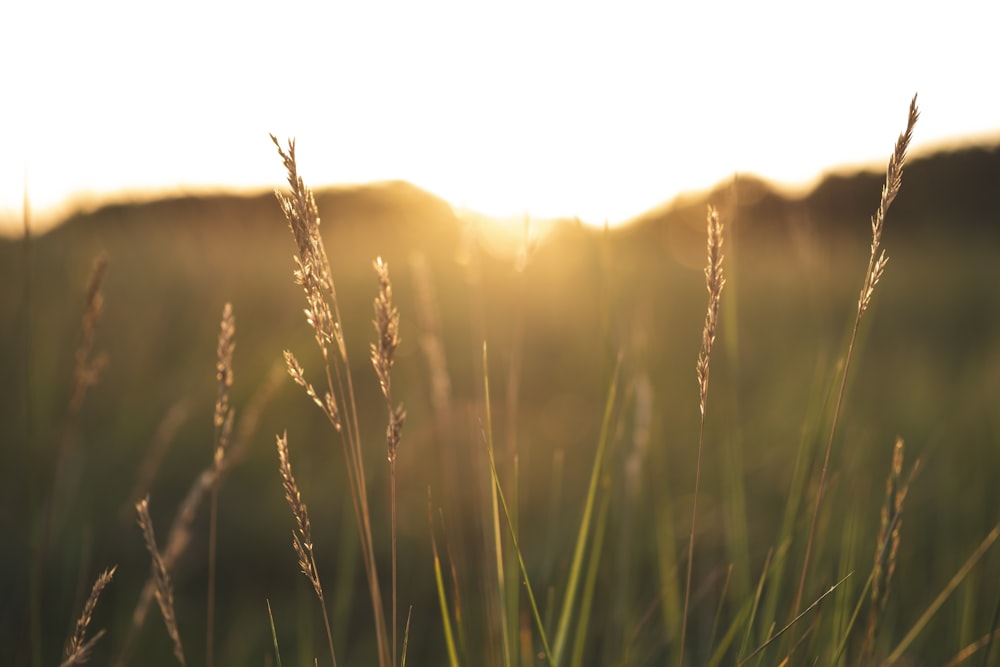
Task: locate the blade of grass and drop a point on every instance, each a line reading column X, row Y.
column 406, row 636
column 590, row 581
column 449, row 637
column 506, row 512
column 572, row 585
column 940, row 599
column 730, row 636
column 274, row 633
column 993, row 630
column 971, row 649
column 876, row 265
column 756, row 603
column 791, row 623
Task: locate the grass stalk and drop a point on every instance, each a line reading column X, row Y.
column 87, row 370
column 714, row 282
column 590, row 581
column 78, row 646
column 774, row 637
column 876, row 266
column 223, row 422
column 383, row 356
column 579, row 552
column 949, row 588
column 510, row 526
column 338, row 401
column 164, row 588
column 274, row 634
column 449, row 635
column 302, row 540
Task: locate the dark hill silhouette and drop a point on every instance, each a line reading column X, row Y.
column 942, row 192
column 946, row 191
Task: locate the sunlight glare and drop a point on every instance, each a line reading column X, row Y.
column 547, row 109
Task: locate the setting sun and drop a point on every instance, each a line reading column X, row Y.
column 542, row 109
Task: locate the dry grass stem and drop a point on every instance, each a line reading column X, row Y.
column 327, row 404
column 887, row 544
column 223, row 421
column 87, row 370
column 89, row 367
column 876, row 266
column 302, row 540
column 180, row 530
column 78, row 648
column 164, row 588
column 312, row 270
column 383, row 352
column 312, row 273
column 714, row 282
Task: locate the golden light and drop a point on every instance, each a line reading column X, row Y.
column 547, row 109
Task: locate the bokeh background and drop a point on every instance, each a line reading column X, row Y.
column 536, row 176
column 555, row 311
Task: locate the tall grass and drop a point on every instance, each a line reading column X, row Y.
column 714, row 282
column 877, row 260
column 535, row 581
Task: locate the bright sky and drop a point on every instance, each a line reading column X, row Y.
column 595, row 109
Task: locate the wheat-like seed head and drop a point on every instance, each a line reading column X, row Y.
column 714, row 282
column 383, row 352
column 164, row 589
column 78, row 647
column 312, row 270
column 224, row 375
column 302, row 540
column 88, row 367
column 887, row 544
column 386, row 322
column 327, row 404
column 893, row 182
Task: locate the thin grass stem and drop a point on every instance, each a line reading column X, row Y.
column 876, row 266
column 714, row 282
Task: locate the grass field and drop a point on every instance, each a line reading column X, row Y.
column 556, row 314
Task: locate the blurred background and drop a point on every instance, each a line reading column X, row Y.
column 536, row 178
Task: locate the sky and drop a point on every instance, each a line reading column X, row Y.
column 599, row 110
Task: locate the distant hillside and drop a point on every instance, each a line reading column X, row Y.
column 378, row 205
column 943, row 191
column 957, row 189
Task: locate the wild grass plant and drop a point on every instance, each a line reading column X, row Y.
column 620, row 552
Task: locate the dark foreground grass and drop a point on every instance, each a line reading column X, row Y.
column 584, row 458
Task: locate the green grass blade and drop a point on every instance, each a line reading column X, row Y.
column 572, row 586
column 509, row 647
column 274, row 634
column 590, row 582
column 756, row 604
column 449, row 637
column 730, row 636
column 406, row 636
column 507, row 516
column 940, row 599
column 791, row 623
column 993, row 631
